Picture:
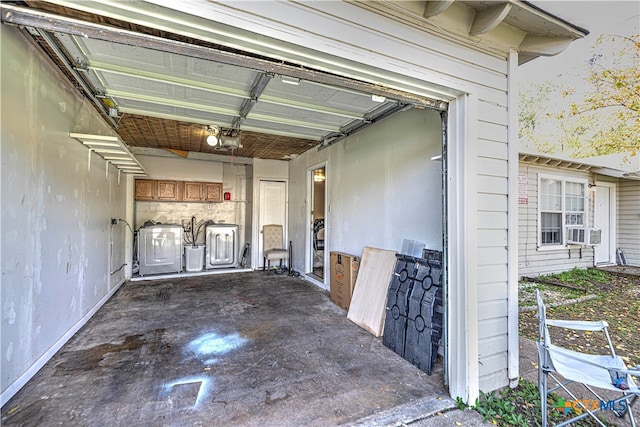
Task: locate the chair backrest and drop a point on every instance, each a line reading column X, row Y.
column 318, row 234
column 272, row 237
column 543, row 331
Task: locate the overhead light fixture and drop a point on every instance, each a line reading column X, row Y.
column 378, row 98
column 318, row 175
column 290, row 80
column 232, row 142
column 214, row 132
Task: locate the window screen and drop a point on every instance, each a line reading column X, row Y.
column 562, row 203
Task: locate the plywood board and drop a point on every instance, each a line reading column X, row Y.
column 369, row 299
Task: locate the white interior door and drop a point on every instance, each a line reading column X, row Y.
column 605, row 221
column 273, row 209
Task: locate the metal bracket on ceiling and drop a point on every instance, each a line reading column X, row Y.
column 67, row 64
column 33, row 31
column 258, row 86
column 82, row 66
column 358, row 125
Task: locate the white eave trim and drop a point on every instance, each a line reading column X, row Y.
column 573, row 165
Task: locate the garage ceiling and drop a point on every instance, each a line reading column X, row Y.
column 162, row 85
column 164, row 90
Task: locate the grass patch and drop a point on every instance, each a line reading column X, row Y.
column 617, row 301
column 521, row 407
column 582, row 277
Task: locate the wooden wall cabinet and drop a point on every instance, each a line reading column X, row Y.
column 177, row 191
column 192, row 192
column 213, row 191
column 145, row 189
column 168, row 191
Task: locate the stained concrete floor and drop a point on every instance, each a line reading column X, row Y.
column 250, row 349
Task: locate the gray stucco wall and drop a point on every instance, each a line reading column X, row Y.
column 56, row 210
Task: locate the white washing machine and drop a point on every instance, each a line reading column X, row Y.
column 221, row 246
column 160, row 249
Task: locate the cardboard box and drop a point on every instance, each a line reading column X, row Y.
column 344, row 270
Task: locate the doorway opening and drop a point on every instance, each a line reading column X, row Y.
column 605, row 252
column 318, row 219
column 272, row 202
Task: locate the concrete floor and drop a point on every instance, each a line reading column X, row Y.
column 250, row 349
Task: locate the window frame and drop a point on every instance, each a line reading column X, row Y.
column 563, row 180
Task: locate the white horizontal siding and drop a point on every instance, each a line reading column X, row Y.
column 534, row 261
column 492, row 220
column 493, row 110
column 491, row 274
column 493, row 183
column 492, row 254
column 488, row 238
column 493, row 345
column 629, row 220
column 492, row 131
column 493, row 149
column 492, row 357
column 490, row 291
column 493, row 379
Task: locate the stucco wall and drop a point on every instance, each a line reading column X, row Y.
column 382, row 187
column 56, row 231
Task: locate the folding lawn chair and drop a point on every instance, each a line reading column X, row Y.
column 607, row 372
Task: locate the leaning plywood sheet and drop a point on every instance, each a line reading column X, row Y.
column 369, row 299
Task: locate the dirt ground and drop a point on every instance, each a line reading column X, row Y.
column 595, row 295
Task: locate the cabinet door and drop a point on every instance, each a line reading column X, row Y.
column 213, row 191
column 144, row 189
column 192, row 192
column 168, row 190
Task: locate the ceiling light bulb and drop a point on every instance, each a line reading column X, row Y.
column 214, row 131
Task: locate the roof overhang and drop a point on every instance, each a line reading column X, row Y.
column 548, row 160
column 496, row 25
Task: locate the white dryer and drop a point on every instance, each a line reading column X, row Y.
column 222, row 246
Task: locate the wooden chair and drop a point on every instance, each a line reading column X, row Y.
column 273, row 246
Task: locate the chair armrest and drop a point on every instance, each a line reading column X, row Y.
column 635, row 371
column 579, row 325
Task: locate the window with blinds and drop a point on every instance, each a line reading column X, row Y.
column 562, row 203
